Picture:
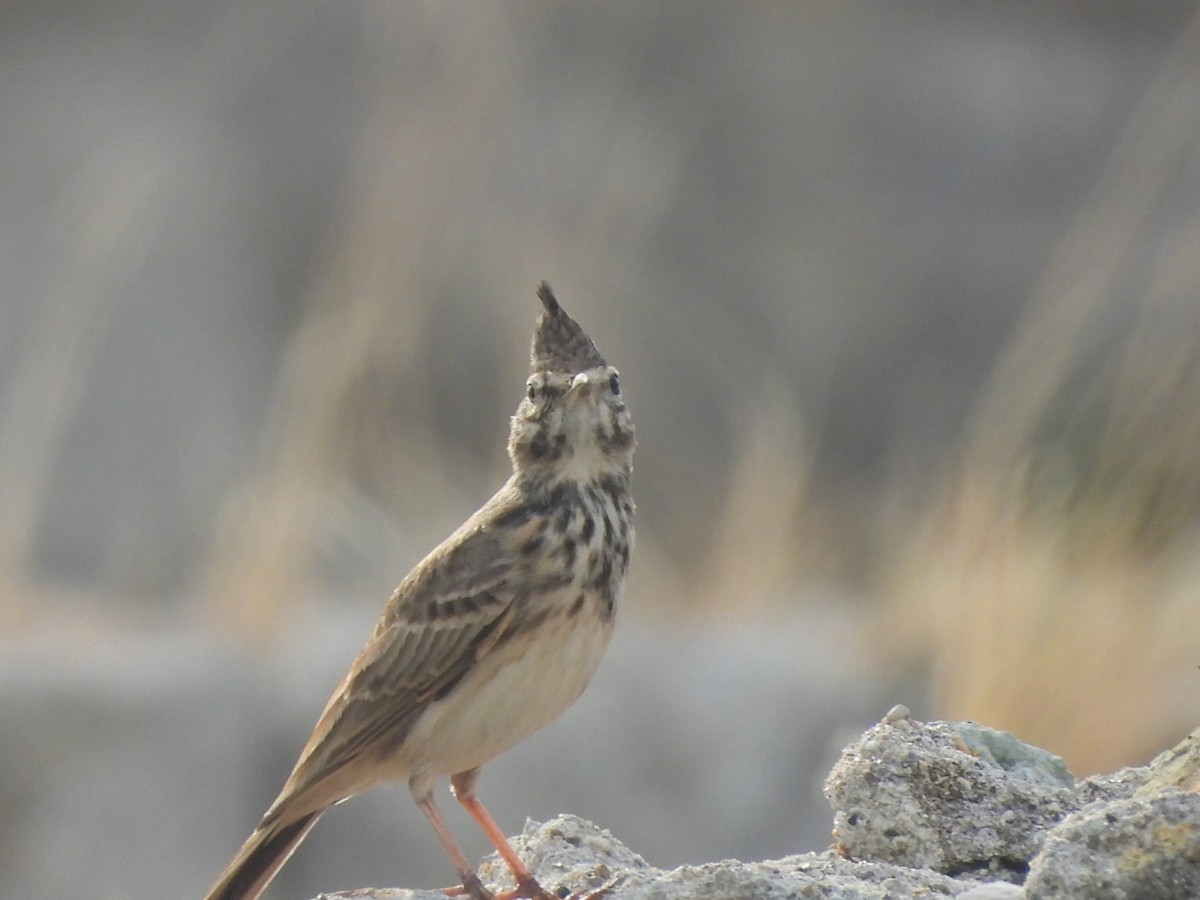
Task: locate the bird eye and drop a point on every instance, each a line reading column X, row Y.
column 614, row 383
column 531, row 390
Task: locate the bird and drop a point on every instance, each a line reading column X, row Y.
column 492, row 635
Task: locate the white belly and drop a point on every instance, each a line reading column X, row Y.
column 512, row 693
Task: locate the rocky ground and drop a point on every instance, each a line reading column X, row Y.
column 923, row 809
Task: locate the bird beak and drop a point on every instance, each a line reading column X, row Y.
column 581, row 385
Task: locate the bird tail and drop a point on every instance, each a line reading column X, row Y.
column 263, row 854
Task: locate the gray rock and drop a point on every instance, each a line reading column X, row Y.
column 568, row 853
column 574, row 857
column 1016, row 757
column 1117, row 786
column 956, row 798
column 1177, row 768
column 991, row 890
column 1142, row 848
column 816, row 875
column 1174, row 769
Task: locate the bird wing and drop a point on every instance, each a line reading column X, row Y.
column 444, row 617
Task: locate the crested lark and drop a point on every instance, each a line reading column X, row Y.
column 493, row 634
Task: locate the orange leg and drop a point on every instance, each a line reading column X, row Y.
column 463, row 787
column 471, row 884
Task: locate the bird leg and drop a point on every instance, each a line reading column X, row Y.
column 471, row 885
column 462, row 786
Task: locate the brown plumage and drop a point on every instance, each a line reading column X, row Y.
column 493, row 634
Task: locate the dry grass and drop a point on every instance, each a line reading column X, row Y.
column 1054, row 584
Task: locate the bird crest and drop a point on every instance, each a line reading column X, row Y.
column 559, row 344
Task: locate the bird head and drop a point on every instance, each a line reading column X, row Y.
column 572, row 423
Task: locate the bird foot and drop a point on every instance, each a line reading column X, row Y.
column 529, row 889
column 472, row 887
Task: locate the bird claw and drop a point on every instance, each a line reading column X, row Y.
column 473, row 888
column 528, row 889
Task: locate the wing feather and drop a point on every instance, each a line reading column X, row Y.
column 443, row 617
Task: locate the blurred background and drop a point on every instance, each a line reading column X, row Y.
column 904, row 297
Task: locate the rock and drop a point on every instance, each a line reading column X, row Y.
column 573, row 857
column 926, row 810
column 1143, row 848
column 957, row 798
column 991, row 890
column 816, row 875
column 1177, row 768
column 569, row 854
